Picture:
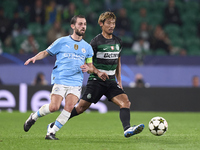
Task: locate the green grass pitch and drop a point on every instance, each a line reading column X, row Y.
column 94, row 131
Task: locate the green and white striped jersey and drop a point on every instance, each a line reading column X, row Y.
column 106, row 54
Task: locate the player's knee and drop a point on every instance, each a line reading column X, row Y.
column 129, row 104
column 53, row 108
column 126, row 104
column 69, row 108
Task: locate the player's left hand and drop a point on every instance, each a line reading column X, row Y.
column 33, row 59
column 120, row 84
column 85, row 68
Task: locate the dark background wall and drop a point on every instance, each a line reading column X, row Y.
column 165, row 99
column 24, row 97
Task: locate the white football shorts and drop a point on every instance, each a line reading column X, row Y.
column 64, row 90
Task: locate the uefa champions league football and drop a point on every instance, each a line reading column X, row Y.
column 158, row 126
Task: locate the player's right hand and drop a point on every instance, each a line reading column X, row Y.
column 102, row 75
column 30, row 60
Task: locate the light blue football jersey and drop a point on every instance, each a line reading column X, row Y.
column 70, row 55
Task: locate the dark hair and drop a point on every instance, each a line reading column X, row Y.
column 38, row 78
column 106, row 15
column 74, row 19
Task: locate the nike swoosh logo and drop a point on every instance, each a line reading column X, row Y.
column 105, row 48
column 67, row 46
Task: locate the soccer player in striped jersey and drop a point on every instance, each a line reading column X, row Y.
column 73, row 57
column 107, row 48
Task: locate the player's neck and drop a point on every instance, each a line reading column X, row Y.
column 76, row 37
column 107, row 36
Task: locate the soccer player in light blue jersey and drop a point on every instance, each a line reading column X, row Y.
column 73, row 58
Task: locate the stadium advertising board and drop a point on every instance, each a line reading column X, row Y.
column 24, row 97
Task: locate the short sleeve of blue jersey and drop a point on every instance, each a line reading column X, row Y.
column 90, row 52
column 54, row 48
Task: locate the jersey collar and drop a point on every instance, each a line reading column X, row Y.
column 75, row 40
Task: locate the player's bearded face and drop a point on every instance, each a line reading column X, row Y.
column 109, row 26
column 80, row 27
column 80, row 32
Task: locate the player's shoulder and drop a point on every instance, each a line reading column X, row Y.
column 117, row 38
column 63, row 39
column 100, row 37
column 85, row 43
column 97, row 37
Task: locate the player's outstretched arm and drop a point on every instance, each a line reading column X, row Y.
column 92, row 69
column 39, row 56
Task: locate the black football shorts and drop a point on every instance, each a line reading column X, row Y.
column 95, row 89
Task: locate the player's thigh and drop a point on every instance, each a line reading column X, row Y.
column 57, row 94
column 117, row 95
column 58, row 89
column 70, row 102
column 72, row 96
column 94, row 91
column 55, row 102
column 113, row 90
column 74, row 90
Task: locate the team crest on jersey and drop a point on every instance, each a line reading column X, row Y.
column 117, row 47
column 83, row 50
column 112, row 47
column 75, row 46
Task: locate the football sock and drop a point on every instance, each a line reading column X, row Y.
column 124, row 115
column 60, row 121
column 73, row 113
column 44, row 110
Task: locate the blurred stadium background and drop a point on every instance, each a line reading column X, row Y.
column 165, row 68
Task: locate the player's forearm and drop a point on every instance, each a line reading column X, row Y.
column 95, row 70
column 92, row 69
column 118, row 72
column 41, row 55
column 118, row 76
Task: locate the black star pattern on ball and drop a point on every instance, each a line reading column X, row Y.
column 156, row 128
column 165, row 129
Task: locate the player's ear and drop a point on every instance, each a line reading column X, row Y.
column 72, row 26
column 101, row 24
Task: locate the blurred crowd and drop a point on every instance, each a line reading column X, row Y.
column 168, row 27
